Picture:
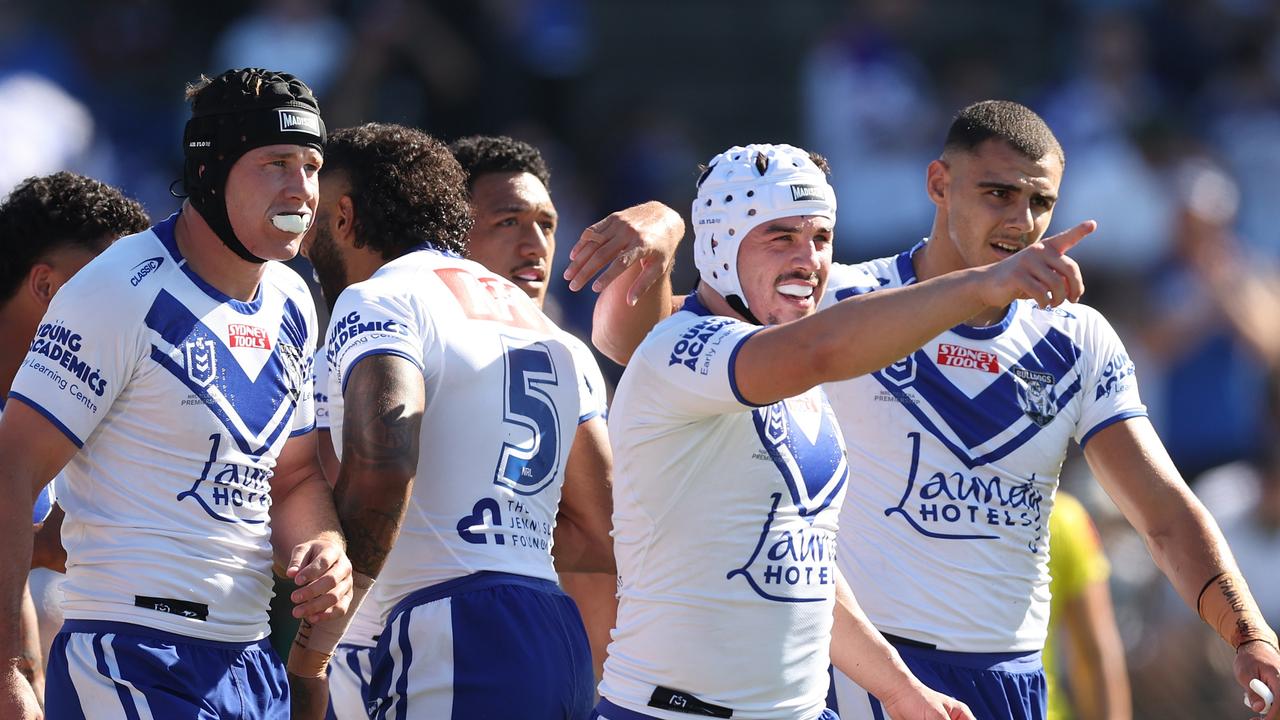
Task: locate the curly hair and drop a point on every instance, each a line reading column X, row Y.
column 51, row 212
column 484, row 154
column 1015, row 124
column 405, row 186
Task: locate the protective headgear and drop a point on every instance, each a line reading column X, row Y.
column 741, row 188
column 236, row 112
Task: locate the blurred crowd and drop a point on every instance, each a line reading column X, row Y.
column 1169, row 112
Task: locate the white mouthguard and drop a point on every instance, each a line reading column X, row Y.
column 290, row 223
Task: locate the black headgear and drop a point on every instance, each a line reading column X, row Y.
column 236, row 112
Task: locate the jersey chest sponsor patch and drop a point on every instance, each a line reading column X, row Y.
column 991, row 413
column 794, row 555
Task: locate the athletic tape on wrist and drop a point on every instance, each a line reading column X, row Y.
column 1226, row 604
column 314, row 644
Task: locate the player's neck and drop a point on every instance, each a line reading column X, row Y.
column 716, row 303
column 15, row 322
column 939, row 257
column 212, row 260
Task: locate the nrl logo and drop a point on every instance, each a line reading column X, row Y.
column 201, row 361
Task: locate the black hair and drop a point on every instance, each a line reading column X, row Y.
column 1015, row 124
column 406, row 187
column 48, row 213
column 485, row 154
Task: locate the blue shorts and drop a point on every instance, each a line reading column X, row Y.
column 606, row 710
column 113, row 670
column 350, row 671
column 995, row 686
column 476, row 647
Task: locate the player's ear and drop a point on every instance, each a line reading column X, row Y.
column 937, row 179
column 42, row 282
column 344, row 221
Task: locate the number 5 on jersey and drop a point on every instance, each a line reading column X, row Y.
column 530, row 457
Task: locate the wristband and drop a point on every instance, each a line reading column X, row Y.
column 1226, row 604
column 314, row 644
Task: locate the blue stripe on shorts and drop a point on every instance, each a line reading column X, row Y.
column 518, row 642
column 115, row 669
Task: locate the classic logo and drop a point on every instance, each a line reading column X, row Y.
column 298, row 121
column 201, row 361
column 950, row 355
column 145, row 268
column 801, row 193
column 1036, row 395
column 248, row 336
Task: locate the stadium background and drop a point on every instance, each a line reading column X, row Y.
column 1169, row 111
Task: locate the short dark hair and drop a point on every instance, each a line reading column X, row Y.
column 485, row 154
column 1011, row 122
column 406, row 187
column 51, row 212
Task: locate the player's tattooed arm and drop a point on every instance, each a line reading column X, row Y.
column 384, row 400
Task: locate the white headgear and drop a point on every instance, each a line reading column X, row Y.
column 743, row 187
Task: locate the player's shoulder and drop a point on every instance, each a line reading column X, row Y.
column 287, row 281
column 687, row 334
column 1074, row 319
column 121, row 280
column 848, row 279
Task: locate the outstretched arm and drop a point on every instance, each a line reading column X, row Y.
column 1131, row 463
column 868, row 332
column 638, row 246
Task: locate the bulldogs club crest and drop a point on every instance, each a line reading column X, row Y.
column 1036, row 395
column 201, row 359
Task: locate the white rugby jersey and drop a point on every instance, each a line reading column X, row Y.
column 180, row 399
column 505, row 392
column 724, row 519
column 366, row 623
column 956, row 451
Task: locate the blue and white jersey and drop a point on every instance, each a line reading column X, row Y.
column 180, row 399
column 724, row 517
column 505, row 392
column 320, row 382
column 958, row 448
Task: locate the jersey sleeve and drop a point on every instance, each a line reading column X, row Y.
column 84, row 351
column 320, row 383
column 591, row 386
column 304, row 416
column 1109, row 384
column 692, row 360
column 366, row 322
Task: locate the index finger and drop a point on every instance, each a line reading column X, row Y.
column 1064, row 241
